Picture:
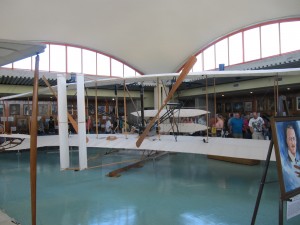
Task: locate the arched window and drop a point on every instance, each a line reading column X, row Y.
column 253, row 43
column 73, row 59
column 56, row 57
column 290, row 36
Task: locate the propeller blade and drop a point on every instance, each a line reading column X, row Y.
column 186, row 69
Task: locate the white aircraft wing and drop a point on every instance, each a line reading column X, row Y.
column 151, row 79
column 177, row 113
column 182, row 127
column 71, row 86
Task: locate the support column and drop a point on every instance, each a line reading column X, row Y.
column 157, row 95
column 81, row 122
column 63, row 121
column 142, row 107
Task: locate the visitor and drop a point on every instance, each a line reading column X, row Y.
column 108, row 126
column 256, row 125
column 236, row 126
column 51, row 126
column 41, row 127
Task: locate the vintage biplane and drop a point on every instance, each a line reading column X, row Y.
column 156, row 115
column 221, row 147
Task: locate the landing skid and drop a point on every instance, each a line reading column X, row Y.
column 151, row 155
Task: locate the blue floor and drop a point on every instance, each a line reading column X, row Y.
column 177, row 189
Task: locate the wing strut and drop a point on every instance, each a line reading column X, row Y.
column 187, row 67
column 71, row 119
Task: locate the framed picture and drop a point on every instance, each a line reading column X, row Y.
column 43, row 109
column 228, row 107
column 27, row 110
column 238, row 107
column 1, row 109
column 286, row 131
column 298, row 103
column 101, row 110
column 248, row 106
column 271, row 105
column 261, row 105
column 14, row 109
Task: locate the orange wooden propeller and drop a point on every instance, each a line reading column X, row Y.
column 186, row 69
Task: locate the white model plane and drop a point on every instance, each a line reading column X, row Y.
column 218, row 146
column 191, row 76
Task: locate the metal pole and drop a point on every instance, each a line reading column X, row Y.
column 280, row 219
column 262, row 183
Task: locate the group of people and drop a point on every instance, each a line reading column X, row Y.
column 238, row 126
column 116, row 126
column 111, row 125
column 46, row 127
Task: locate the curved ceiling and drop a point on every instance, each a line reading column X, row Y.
column 152, row 36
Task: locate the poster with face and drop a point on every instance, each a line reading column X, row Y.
column 286, row 131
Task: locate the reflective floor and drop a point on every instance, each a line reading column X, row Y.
column 177, row 189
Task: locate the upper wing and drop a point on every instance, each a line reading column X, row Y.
column 151, row 79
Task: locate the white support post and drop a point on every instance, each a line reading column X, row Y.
column 81, row 122
column 159, row 95
column 156, row 93
column 63, row 121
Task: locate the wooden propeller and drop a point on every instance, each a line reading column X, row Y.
column 70, row 118
column 186, row 69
